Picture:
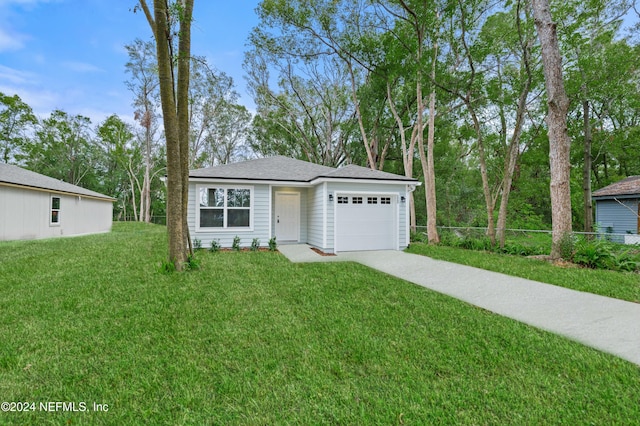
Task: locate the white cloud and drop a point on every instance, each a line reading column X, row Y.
column 11, row 41
column 14, row 76
column 81, row 67
column 41, row 101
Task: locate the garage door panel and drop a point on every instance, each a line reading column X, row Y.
column 366, row 226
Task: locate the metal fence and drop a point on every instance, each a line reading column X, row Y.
column 158, row 220
column 479, row 232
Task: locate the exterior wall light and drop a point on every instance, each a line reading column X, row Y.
column 402, row 199
column 331, row 197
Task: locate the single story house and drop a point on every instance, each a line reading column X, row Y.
column 618, row 209
column 36, row 206
column 333, row 209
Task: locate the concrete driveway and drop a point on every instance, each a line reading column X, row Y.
column 610, row 325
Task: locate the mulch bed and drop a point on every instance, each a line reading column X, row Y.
column 321, row 253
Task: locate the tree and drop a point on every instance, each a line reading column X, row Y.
column 419, row 19
column 219, row 125
column 174, row 96
column 559, row 142
column 144, row 86
column 16, row 119
column 63, row 148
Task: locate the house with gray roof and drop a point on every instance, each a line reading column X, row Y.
column 35, row 206
column 618, row 209
column 333, row 209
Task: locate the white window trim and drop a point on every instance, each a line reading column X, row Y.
column 51, row 210
column 225, row 187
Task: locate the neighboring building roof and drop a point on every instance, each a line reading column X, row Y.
column 281, row 168
column 17, row 176
column 628, row 186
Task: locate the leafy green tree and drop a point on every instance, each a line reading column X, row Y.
column 16, row 122
column 63, row 148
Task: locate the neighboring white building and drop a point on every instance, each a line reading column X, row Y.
column 344, row 209
column 35, row 206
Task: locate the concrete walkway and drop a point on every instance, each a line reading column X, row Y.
column 610, row 325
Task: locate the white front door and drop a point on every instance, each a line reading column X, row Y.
column 287, row 216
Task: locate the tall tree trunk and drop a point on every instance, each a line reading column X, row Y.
column 586, row 167
column 175, row 114
column 407, row 155
column 559, row 142
column 430, row 177
column 514, row 145
column 184, row 62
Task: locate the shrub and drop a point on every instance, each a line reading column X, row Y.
column 215, row 246
column 272, row 244
column 236, row 243
column 567, row 246
column 255, row 244
column 197, row 244
column 192, row 263
column 167, row 267
column 594, row 254
column 626, row 261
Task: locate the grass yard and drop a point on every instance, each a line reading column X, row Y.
column 254, row 339
column 620, row 285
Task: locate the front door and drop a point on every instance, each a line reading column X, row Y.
column 287, row 216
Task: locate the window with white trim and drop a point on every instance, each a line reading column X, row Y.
column 55, row 211
column 224, row 207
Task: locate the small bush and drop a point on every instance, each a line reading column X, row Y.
column 167, row 267
column 255, row 244
column 215, row 246
column 236, row 243
column 197, row 244
column 192, row 263
column 626, row 261
column 567, row 246
column 272, row 244
column 594, row 254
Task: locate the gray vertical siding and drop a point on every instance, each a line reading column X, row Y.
column 25, row 214
column 611, row 216
column 315, row 216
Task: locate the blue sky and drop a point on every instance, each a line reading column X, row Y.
column 69, row 54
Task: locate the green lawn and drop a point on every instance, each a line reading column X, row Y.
column 254, row 339
column 621, row 285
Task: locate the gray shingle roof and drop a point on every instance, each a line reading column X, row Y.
column 281, row 168
column 18, row 176
column 628, row 186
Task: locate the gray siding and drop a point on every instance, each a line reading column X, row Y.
column 260, row 218
column 315, row 216
column 25, row 214
column 613, row 217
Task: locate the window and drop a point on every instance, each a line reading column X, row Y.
column 224, row 207
column 372, row 200
column 55, row 210
column 356, row 200
column 343, row 200
column 385, row 200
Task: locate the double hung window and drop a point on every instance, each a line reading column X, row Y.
column 224, row 207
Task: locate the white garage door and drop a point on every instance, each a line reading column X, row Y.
column 366, row 222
